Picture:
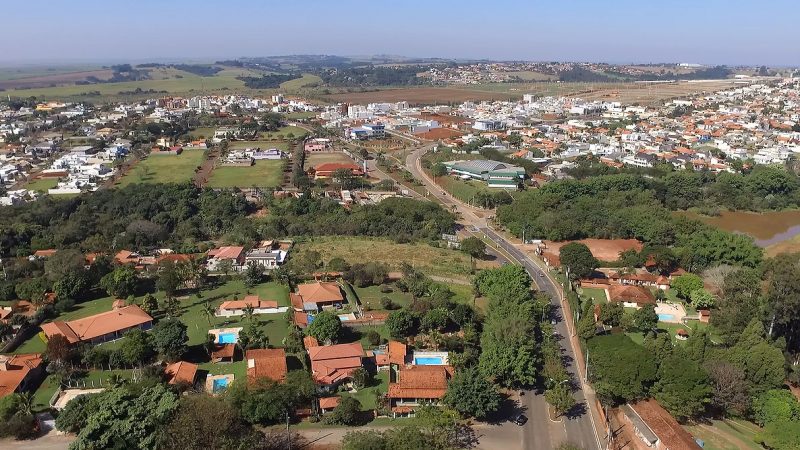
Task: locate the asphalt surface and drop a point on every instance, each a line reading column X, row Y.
column 541, row 432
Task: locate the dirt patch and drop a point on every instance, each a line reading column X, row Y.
column 420, row 96
column 602, row 249
column 54, row 80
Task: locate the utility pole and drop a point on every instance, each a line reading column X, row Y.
column 288, row 436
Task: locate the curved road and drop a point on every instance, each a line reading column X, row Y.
column 540, row 432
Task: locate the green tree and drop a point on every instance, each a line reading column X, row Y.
column 702, row 299
column 400, row 324
column 578, row 259
column 471, row 394
column 685, row 284
column 438, row 170
column 360, row 378
column 168, row 279
column 646, row 318
column 611, row 313
column 434, row 320
column 205, row 422
column 620, row 369
column 325, row 327
column 347, row 412
column 560, row 398
column 121, row 282
column 253, row 274
column 776, row 405
column 169, row 338
column 149, row 304
column 779, row 436
column 474, row 247
column 683, row 387
column 135, row 348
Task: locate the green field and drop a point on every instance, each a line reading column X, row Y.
column 42, row 184
column 165, row 168
column 263, row 174
column 598, row 294
column 726, row 434
column 371, row 297
column 460, row 189
column 284, row 132
column 307, row 80
column 265, row 144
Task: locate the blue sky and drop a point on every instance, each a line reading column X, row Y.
column 703, row 31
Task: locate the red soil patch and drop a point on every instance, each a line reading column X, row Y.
column 602, row 249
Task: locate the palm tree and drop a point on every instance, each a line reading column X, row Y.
column 208, row 311
column 26, row 403
column 249, row 313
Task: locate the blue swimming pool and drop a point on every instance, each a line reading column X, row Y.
column 220, row 384
column 226, row 338
column 429, row 361
column 664, row 317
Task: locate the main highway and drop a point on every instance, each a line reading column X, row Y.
column 542, row 432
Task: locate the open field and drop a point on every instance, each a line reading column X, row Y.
column 463, row 190
column 529, row 75
column 42, row 184
column 420, row 95
column 44, row 80
column 265, row 173
column 431, row 260
column 165, row 168
column 726, row 434
column 284, row 132
column 314, row 159
column 263, row 144
column 599, row 295
column 307, row 80
column 603, row 249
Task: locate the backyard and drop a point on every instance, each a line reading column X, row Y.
column 264, row 173
column 164, row 168
column 42, row 184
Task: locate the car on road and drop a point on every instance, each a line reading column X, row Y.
column 541, row 274
column 520, row 419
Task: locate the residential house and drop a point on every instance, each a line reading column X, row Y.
column 103, row 327
column 233, row 308
column 182, row 372
column 328, row 404
column 223, row 353
column 631, row 296
column 657, row 428
column 317, row 295
column 19, row 373
column 266, row 363
column 235, row 255
column 415, row 386
column 326, row 170
column 331, row 365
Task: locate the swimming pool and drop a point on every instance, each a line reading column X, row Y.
column 226, row 338
column 429, row 361
column 664, row 317
column 220, row 384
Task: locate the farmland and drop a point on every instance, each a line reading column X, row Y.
column 265, row 173
column 165, row 168
column 420, row 95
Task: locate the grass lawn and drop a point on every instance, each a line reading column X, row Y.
column 726, row 435
column 316, row 158
column 165, row 168
column 362, row 331
column 264, row 173
column 371, row 297
column 598, row 294
column 42, row 184
column 430, row 260
column 460, row 189
column 300, row 115
column 238, row 369
column 263, row 144
column 380, row 383
column 34, row 344
column 41, row 398
column 203, row 132
column 284, row 132
column 306, row 80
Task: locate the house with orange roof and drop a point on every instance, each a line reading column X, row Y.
column 413, row 386
column 103, row 327
column 41, row 254
column 223, row 353
column 656, row 427
column 332, row 365
column 232, row 308
column 266, row 363
column 317, row 295
column 182, row 372
column 19, row 373
column 328, row 404
column 326, row 170
column 216, row 256
column 127, row 257
column 631, row 296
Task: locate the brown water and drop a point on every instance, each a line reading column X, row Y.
column 766, row 228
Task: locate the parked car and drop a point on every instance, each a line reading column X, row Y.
column 521, row 419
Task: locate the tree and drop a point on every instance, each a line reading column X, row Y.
column 587, row 327
column 253, row 274
column 683, row 387
column 611, row 313
column 776, row 405
column 620, row 369
column 169, row 338
column 253, row 337
column 74, row 416
column 507, row 283
column 360, row 378
column 325, row 327
column 779, row 436
column 135, row 348
column 646, row 318
column 471, row 394
column 730, row 391
column 265, row 403
column 685, row 284
column 121, row 418
column 560, row 398
column 168, row 279
column 438, row 170
column 58, row 348
column 337, row 265
column 474, row 247
column 400, row 324
column 33, row 289
column 73, row 285
column 121, row 282
column 205, row 422
column 149, row 304
column 578, row 259
column 702, row 299
column 434, row 320
column 347, row 412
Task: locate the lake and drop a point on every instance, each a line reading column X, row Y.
column 767, row 229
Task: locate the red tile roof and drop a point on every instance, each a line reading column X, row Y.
column 631, row 294
column 226, row 252
column 320, row 292
column 17, row 369
column 267, row 363
column 420, row 382
column 223, row 351
column 329, row 402
column 671, row 434
column 44, row 253
column 333, row 363
column 98, row 325
column 397, row 353
column 181, row 372
column 250, row 300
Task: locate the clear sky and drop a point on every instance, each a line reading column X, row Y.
column 702, row 31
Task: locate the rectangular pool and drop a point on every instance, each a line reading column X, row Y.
column 226, row 338
column 220, row 384
column 429, row 361
column 664, row 317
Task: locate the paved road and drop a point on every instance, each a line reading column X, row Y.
column 540, row 432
